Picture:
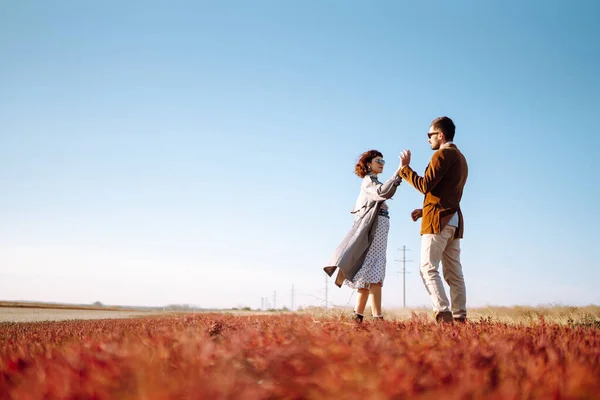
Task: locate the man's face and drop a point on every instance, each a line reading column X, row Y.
column 434, row 138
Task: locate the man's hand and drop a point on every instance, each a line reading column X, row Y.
column 404, row 159
column 416, row 214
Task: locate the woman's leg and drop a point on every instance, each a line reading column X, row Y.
column 361, row 301
column 375, row 299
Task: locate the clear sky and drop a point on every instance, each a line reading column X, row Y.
column 156, row 152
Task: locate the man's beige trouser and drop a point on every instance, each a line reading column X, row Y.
column 443, row 247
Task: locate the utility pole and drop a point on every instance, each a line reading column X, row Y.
column 326, row 300
column 262, row 303
column 275, row 299
column 292, row 303
column 404, row 272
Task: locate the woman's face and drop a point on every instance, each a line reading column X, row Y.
column 377, row 165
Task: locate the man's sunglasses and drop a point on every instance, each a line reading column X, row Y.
column 430, row 134
column 380, row 161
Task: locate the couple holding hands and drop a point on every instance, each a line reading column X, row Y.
column 361, row 257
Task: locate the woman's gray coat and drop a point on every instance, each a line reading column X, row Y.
column 350, row 254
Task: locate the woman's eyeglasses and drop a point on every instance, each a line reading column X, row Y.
column 380, row 161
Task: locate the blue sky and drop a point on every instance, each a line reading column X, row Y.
column 155, row 152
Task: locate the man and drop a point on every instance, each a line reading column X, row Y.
column 442, row 224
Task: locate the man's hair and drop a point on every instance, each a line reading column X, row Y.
column 444, row 124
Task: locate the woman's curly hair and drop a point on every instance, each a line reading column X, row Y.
column 361, row 168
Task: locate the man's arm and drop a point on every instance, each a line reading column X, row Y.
column 437, row 168
column 416, row 214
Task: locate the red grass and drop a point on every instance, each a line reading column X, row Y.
column 294, row 357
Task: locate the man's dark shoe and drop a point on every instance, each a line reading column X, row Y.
column 377, row 317
column 444, row 317
column 461, row 320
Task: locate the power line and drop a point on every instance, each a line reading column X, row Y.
column 326, row 299
column 265, row 305
column 292, row 302
column 403, row 272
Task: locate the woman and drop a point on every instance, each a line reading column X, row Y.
column 361, row 257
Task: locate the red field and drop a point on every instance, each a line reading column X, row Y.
column 296, row 357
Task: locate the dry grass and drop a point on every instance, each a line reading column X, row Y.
column 287, row 356
column 587, row 315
